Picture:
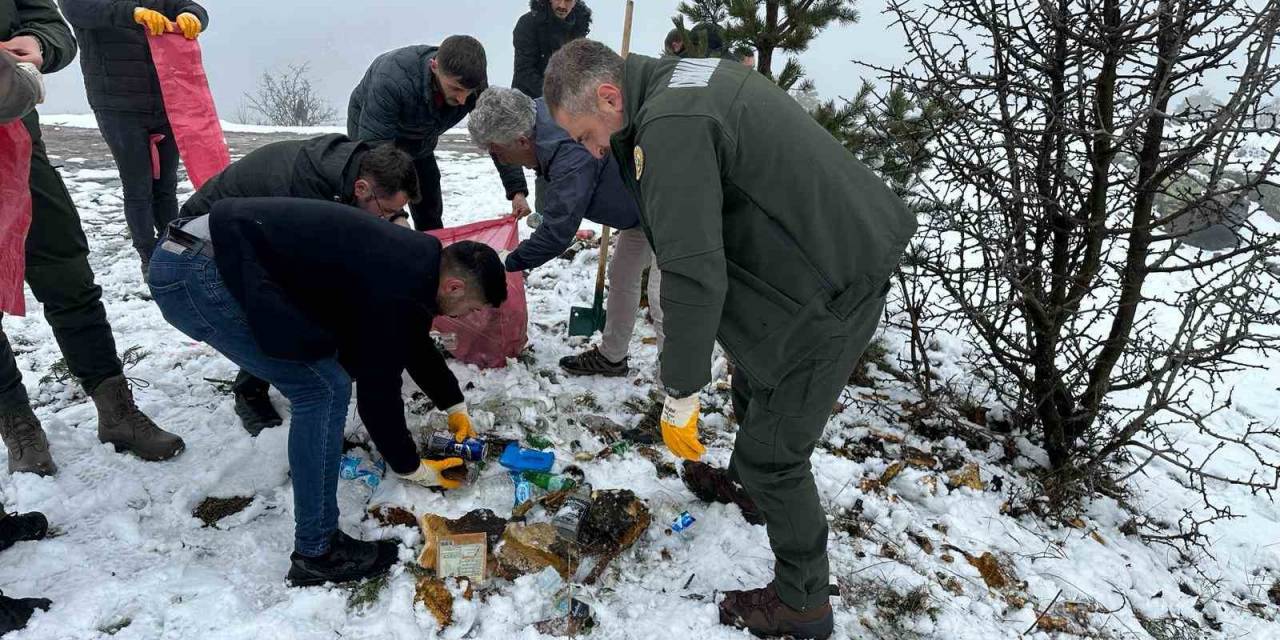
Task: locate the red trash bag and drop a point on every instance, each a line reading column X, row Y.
column 189, row 105
column 15, row 214
column 488, row 337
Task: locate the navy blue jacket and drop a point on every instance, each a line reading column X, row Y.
column 114, row 55
column 579, row 186
column 316, row 281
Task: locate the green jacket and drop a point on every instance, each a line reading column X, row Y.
column 768, row 232
column 39, row 18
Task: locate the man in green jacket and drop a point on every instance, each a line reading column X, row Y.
column 772, row 239
column 58, row 272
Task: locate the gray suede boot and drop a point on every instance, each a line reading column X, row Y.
column 23, row 436
column 124, row 426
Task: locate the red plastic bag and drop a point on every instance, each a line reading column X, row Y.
column 488, row 337
column 15, row 214
column 189, row 104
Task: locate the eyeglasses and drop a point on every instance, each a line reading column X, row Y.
column 385, row 211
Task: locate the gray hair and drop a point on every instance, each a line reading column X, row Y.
column 576, row 71
column 501, row 116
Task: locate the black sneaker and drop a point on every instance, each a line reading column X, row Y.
column 714, row 485
column 255, row 410
column 593, row 363
column 348, row 560
column 15, row 612
column 15, row 527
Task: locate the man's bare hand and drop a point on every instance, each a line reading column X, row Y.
column 25, row 49
column 520, row 206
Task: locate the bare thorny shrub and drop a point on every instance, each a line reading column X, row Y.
column 1062, row 192
column 286, row 99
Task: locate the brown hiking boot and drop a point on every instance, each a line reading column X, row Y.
column 710, row 484
column 28, row 447
column 593, row 363
column 761, row 612
column 124, row 426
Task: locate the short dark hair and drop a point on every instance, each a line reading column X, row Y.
column 478, row 264
column 744, row 52
column 462, row 57
column 390, row 170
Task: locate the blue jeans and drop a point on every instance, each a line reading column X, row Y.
column 193, row 298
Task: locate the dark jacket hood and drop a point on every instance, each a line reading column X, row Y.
column 579, row 19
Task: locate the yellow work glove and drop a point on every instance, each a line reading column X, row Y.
column 430, row 473
column 680, row 427
column 189, row 25
column 460, row 422
column 154, row 21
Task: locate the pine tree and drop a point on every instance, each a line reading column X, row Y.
column 703, row 11
column 783, row 25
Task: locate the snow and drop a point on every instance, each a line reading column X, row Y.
column 127, row 553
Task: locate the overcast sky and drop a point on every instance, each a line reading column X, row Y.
column 340, row 39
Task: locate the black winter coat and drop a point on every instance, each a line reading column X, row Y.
column 118, row 72
column 323, row 168
column 537, row 35
column 397, row 100
column 315, row 281
column 40, row 19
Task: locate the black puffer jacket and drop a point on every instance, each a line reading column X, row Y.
column 398, row 100
column 115, row 57
column 537, row 35
column 323, row 168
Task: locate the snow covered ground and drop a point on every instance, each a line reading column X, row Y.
column 129, row 559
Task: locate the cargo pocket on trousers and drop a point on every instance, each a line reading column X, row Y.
column 798, row 391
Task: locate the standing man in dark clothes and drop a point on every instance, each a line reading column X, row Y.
column 20, row 91
column 410, row 97
column 124, row 92
column 538, row 34
column 517, row 130
column 380, row 181
column 774, row 241
column 58, row 273
column 308, row 296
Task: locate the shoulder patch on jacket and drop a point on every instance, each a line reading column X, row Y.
column 693, row 72
column 639, row 156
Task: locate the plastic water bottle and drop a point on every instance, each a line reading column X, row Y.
column 353, row 467
column 523, row 489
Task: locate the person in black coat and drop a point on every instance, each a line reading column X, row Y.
column 412, row 95
column 380, row 181
column 310, row 297
column 124, row 92
column 539, row 33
